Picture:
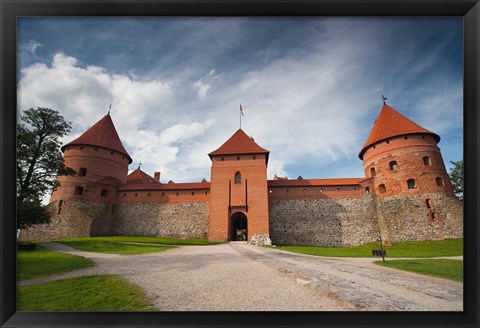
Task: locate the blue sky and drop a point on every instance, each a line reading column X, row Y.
column 310, row 88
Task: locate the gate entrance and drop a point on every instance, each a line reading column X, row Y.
column 239, row 230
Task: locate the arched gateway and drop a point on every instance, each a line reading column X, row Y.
column 239, row 227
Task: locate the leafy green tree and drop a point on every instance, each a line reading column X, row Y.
column 39, row 161
column 456, row 176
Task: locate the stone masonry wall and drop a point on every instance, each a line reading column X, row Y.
column 75, row 220
column 324, row 222
column 410, row 218
column 182, row 220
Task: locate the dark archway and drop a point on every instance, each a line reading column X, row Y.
column 239, row 226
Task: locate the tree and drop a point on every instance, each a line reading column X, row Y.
column 39, row 161
column 456, row 176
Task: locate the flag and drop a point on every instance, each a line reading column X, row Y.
column 241, row 109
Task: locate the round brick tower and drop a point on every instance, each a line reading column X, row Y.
column 414, row 195
column 403, row 158
column 101, row 163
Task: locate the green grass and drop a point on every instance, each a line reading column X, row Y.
column 449, row 269
column 93, row 293
column 43, row 262
column 120, row 244
column 411, row 249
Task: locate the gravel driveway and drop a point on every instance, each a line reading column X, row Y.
column 241, row 277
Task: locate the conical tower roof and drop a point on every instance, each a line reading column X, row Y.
column 239, row 143
column 391, row 123
column 101, row 134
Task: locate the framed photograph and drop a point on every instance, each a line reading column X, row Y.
column 280, row 110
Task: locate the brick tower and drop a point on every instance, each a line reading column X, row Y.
column 101, row 163
column 238, row 190
column 411, row 183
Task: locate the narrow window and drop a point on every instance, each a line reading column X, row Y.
column 163, row 193
column 78, row 190
column 393, row 165
column 406, row 138
column 149, row 194
column 206, row 192
column 427, row 161
column 82, row 172
column 178, row 193
column 338, row 189
column 222, row 158
column 238, row 158
column 238, row 177
column 411, row 184
column 367, row 190
column 288, row 190
column 428, row 202
column 111, row 153
column 354, row 189
column 193, row 193
column 388, row 141
column 124, row 194
column 81, row 147
column 254, row 157
column 304, row 190
column 439, row 182
column 372, row 172
column 321, row 189
column 60, row 203
column 382, row 188
column 104, row 193
column 136, row 194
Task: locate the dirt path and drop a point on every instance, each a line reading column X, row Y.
column 238, row 276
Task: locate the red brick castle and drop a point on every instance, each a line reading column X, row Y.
column 406, row 194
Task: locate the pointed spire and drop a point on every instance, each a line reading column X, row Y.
column 102, row 134
column 391, row 123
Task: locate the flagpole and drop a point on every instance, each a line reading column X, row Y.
column 240, row 114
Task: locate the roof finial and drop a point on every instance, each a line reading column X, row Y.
column 139, row 164
column 109, row 107
column 383, row 98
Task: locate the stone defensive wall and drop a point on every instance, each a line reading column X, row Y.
column 322, row 212
column 72, row 219
column 420, row 217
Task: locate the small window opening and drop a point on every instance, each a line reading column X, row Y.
column 206, row 192
column 429, row 203
column 270, row 191
column 238, row 158
column 393, row 165
column 82, row 172
column 439, row 182
column 222, row 158
column 382, row 188
column 193, row 193
column 163, row 193
column 254, row 157
column 238, row 177
column 149, row 194
column 81, row 147
column 60, row 204
column 304, row 190
column 354, row 189
column 367, row 190
column 406, row 138
column 124, row 194
column 427, row 161
column 288, row 190
column 111, row 153
column 78, row 190
column 178, row 193
column 388, row 141
column 411, row 184
column 338, row 189
column 321, row 189
column 373, row 172
column 136, row 194
column 104, row 193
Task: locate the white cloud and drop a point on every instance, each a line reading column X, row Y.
column 204, row 84
column 33, row 45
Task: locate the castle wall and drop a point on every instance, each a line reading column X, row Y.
column 408, row 218
column 75, row 219
column 324, row 222
column 178, row 220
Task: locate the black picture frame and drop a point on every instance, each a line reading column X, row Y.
column 10, row 10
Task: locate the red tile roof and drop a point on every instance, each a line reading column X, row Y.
column 315, row 182
column 101, row 134
column 139, row 180
column 391, row 123
column 279, row 178
column 239, row 143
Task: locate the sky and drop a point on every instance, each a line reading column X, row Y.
column 310, row 88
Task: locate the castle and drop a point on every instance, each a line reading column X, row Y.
column 406, row 194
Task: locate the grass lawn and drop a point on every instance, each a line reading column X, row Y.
column 43, row 262
column 450, row 269
column 121, row 244
column 93, row 293
column 410, row 249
